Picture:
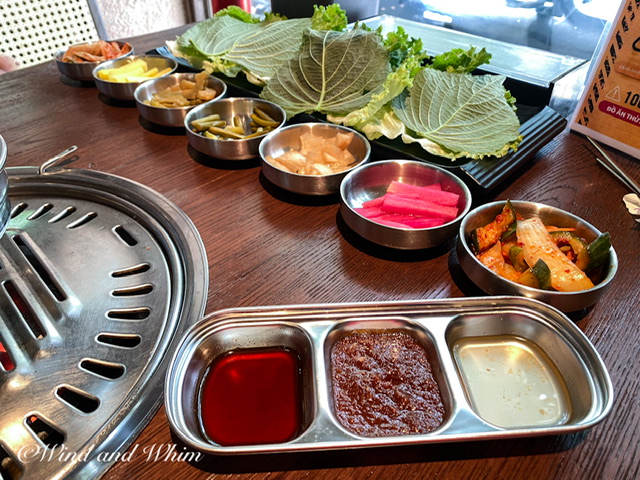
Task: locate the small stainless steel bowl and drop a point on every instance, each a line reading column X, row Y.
column 370, row 181
column 494, row 284
column 173, row 116
column 125, row 91
column 227, row 108
column 288, row 138
column 83, row 71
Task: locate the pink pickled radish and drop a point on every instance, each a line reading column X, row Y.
column 412, row 206
column 433, row 193
column 370, row 212
column 417, row 206
column 420, row 222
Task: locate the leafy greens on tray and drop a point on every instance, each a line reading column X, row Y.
column 381, row 85
column 453, row 114
column 334, row 72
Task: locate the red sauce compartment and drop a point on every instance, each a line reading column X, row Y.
column 259, row 391
column 252, row 385
column 385, row 379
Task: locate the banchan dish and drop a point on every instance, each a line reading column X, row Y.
column 527, row 341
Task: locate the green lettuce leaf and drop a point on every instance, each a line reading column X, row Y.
column 385, row 123
column 458, row 115
column 238, row 13
column 334, row 73
column 273, row 17
column 404, row 50
column 331, row 17
column 460, row 61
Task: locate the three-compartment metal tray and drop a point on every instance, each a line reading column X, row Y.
column 526, row 347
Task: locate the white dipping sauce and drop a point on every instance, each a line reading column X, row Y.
column 511, row 382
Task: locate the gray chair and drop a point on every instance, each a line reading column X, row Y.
column 32, row 31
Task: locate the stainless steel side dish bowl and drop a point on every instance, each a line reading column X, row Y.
column 494, row 284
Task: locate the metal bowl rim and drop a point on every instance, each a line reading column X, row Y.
column 107, row 63
column 58, row 55
column 463, row 186
column 195, row 110
column 275, row 133
column 139, row 88
column 3, row 152
column 462, row 240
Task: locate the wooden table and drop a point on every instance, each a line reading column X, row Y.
column 267, row 248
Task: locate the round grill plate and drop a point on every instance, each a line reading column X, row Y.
column 99, row 277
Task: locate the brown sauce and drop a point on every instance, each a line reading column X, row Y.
column 383, row 385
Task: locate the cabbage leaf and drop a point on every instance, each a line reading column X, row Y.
column 376, row 119
column 214, row 36
column 333, row 73
column 209, row 40
column 234, row 41
column 262, row 52
column 228, row 45
column 458, row 115
column 381, row 85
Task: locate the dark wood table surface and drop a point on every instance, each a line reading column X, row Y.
column 268, row 248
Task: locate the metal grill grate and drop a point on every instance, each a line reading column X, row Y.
column 99, row 276
column 32, row 31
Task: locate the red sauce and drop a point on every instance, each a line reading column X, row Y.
column 383, row 385
column 252, row 397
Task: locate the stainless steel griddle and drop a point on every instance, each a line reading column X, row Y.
column 99, row 276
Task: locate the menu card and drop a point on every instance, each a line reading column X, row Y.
column 609, row 108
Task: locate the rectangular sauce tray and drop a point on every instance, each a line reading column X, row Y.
column 499, row 367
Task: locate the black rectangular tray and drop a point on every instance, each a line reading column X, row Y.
column 485, row 178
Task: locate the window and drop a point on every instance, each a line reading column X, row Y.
column 566, row 27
